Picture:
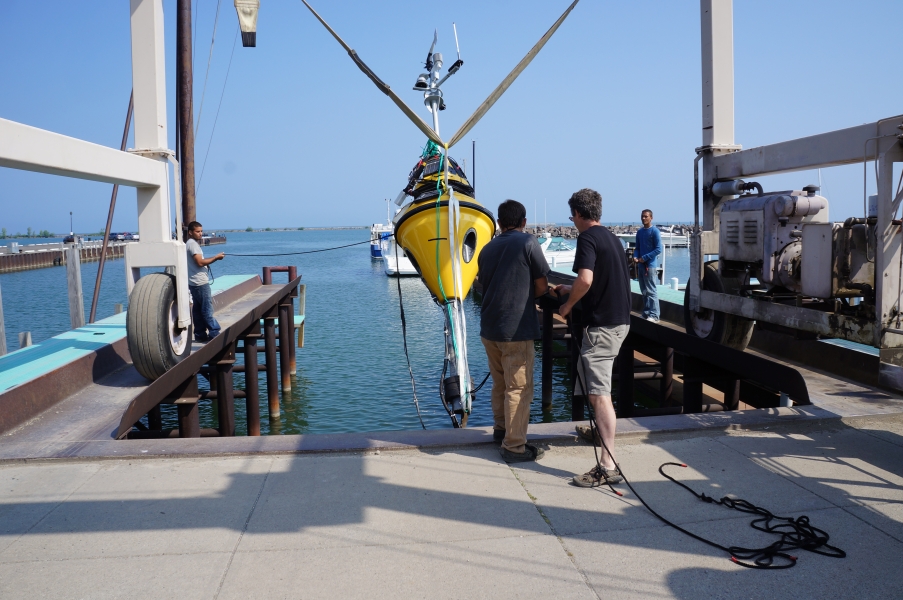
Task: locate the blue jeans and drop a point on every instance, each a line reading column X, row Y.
column 648, row 279
column 205, row 326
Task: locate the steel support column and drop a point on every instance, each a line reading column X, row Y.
column 666, row 387
column 269, row 342
column 286, row 329
column 225, row 392
column 252, row 401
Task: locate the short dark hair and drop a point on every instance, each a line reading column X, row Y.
column 511, row 213
column 587, row 203
column 646, row 210
column 194, row 225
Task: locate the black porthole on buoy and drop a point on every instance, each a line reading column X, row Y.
column 469, row 248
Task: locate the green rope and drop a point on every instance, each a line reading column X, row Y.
column 432, row 148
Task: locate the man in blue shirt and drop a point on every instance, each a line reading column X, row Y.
column 645, row 255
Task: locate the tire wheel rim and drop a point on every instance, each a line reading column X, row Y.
column 178, row 337
column 703, row 322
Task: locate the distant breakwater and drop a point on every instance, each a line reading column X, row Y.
column 570, row 232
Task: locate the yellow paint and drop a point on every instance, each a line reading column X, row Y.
column 417, row 235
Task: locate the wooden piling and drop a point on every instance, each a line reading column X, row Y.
column 74, row 281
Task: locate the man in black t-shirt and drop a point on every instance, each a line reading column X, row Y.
column 513, row 273
column 603, row 288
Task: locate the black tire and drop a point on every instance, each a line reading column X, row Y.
column 155, row 344
column 721, row 328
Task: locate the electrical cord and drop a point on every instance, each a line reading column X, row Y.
column 306, row 251
column 795, row 533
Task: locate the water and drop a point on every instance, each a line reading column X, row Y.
column 352, row 374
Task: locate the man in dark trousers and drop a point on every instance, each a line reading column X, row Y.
column 205, row 325
column 513, row 273
column 603, row 286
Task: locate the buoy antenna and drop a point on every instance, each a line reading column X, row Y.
column 429, row 55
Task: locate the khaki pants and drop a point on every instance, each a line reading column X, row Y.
column 511, row 366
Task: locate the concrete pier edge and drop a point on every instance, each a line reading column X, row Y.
column 629, row 431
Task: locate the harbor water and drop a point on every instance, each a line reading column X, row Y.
column 352, row 374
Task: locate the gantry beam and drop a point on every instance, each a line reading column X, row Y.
column 842, row 147
column 31, row 149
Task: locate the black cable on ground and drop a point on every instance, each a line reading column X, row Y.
column 796, row 533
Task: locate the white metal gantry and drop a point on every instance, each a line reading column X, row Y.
column 145, row 168
column 722, row 159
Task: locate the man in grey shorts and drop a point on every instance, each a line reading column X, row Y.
column 603, row 285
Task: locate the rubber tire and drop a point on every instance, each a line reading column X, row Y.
column 727, row 330
column 147, row 326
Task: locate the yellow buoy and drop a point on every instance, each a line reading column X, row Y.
column 422, row 228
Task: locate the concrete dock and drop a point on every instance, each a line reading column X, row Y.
column 457, row 522
column 413, row 514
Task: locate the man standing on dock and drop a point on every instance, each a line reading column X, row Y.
column 645, row 256
column 513, row 274
column 205, row 326
column 603, row 283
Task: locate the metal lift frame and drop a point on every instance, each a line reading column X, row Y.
column 145, row 168
column 722, row 159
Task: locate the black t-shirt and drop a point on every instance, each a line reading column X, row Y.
column 508, row 266
column 607, row 302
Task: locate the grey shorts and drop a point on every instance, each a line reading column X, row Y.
column 597, row 355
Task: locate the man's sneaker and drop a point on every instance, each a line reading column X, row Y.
column 530, row 453
column 652, row 319
column 498, row 435
column 596, row 477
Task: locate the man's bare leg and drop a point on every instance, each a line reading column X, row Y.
column 606, row 422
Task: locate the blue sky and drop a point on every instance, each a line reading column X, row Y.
column 304, row 139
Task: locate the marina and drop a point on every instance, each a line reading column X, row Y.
column 328, row 434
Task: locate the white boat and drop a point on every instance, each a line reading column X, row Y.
column 403, row 266
column 559, row 253
column 378, row 233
